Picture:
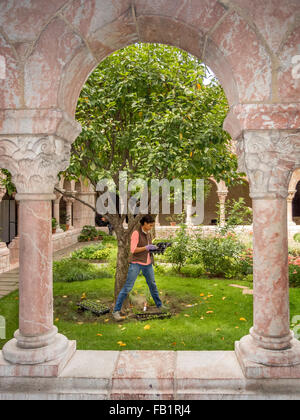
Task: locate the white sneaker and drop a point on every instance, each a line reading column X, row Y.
column 117, row 316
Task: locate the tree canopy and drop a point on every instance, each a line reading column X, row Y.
column 147, row 110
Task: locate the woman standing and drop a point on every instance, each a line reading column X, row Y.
column 140, row 259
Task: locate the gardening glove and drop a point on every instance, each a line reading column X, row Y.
column 151, row 247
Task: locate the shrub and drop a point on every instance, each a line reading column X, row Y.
column 193, row 270
column 107, row 238
column 194, row 255
column 160, row 269
column 93, row 252
column 297, row 237
column 157, row 240
column 54, row 223
column 294, row 271
column 177, row 254
column 246, row 262
column 101, row 254
column 237, row 213
column 70, row 270
column 89, row 233
column 295, row 252
column 221, row 256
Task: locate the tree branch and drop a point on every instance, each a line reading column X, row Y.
column 78, row 199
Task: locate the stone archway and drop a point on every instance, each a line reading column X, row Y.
column 50, row 48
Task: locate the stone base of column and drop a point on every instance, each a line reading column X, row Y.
column 259, row 363
column 35, row 350
column 51, row 369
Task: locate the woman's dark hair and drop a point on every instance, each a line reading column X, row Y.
column 147, row 219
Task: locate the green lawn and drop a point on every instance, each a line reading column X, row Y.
column 221, row 315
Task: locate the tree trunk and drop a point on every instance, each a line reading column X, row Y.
column 122, row 264
column 123, row 237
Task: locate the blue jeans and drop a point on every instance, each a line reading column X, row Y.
column 133, row 272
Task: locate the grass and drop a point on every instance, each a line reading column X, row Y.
column 221, row 315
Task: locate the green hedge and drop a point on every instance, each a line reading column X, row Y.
column 70, row 270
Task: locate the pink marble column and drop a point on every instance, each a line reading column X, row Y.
column 69, row 203
column 270, row 350
column 2, row 194
column 222, row 199
column 56, row 215
column 37, row 334
column 271, row 328
column 271, row 342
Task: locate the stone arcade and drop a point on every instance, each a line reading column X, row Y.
column 50, row 48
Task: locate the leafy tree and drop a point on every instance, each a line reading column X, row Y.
column 147, row 111
column 6, row 181
column 237, row 213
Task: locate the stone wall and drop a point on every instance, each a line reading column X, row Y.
column 165, row 232
column 9, row 256
column 83, row 215
column 4, row 257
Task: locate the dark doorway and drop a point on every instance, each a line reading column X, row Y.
column 296, row 204
column 8, row 219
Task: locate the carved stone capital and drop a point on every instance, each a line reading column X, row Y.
column 35, row 145
column 222, row 196
column 34, row 161
column 69, row 200
column 269, row 158
column 58, row 196
column 291, row 195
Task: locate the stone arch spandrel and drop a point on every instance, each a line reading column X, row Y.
column 10, row 83
column 43, row 69
column 87, row 17
column 24, row 20
column 250, row 63
column 200, row 14
column 214, row 58
column 272, row 18
column 289, row 69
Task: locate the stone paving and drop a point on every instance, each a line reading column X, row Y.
column 141, row 375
